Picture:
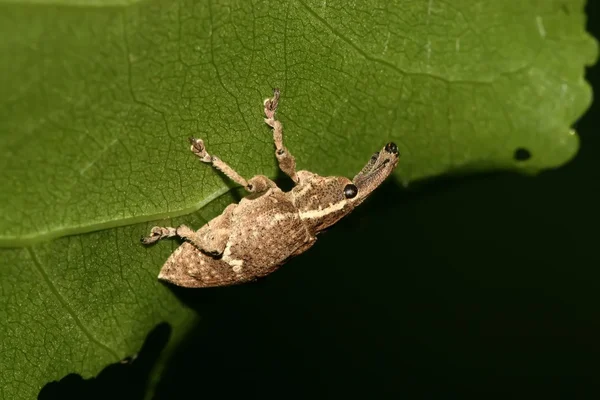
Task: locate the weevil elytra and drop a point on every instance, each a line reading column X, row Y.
column 253, row 238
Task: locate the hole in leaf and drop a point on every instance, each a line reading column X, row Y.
column 522, row 154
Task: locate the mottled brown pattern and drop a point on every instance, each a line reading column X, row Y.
column 255, row 237
column 264, row 232
column 213, row 237
column 189, row 267
column 320, row 193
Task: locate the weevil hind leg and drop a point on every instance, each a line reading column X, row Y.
column 287, row 162
column 157, row 233
column 214, row 235
column 211, row 238
column 164, row 232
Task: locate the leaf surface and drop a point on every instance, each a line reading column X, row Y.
column 98, row 101
column 99, row 97
column 79, row 303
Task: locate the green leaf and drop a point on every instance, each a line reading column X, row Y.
column 98, row 98
column 79, row 303
column 98, row 101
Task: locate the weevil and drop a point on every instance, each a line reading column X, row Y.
column 255, row 237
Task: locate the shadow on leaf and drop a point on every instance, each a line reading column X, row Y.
column 336, row 321
column 127, row 379
column 438, row 294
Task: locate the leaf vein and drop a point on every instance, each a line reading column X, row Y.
column 66, row 306
column 377, row 60
column 214, row 64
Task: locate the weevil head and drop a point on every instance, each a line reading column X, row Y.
column 322, row 201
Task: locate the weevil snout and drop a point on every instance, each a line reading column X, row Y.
column 379, row 167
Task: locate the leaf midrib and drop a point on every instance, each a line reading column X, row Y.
column 33, row 238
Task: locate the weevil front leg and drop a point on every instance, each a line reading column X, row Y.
column 287, row 162
column 211, row 238
column 259, row 183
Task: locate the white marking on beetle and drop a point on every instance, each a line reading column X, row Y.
column 233, row 262
column 280, row 217
column 321, row 212
column 303, row 190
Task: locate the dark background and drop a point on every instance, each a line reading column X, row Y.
column 476, row 287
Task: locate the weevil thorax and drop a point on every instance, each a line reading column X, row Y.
column 324, row 200
column 320, row 200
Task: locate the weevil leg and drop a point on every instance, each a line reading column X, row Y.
column 287, row 162
column 258, row 183
column 157, row 233
column 198, row 148
column 211, row 238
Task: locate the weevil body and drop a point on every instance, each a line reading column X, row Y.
column 255, row 237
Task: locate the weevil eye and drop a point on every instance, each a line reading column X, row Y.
column 350, row 191
column 391, row 148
